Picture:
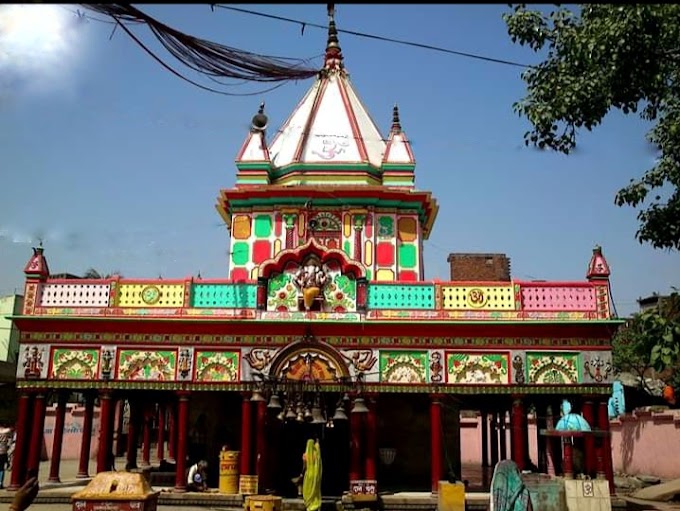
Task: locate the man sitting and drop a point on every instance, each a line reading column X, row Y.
column 197, row 477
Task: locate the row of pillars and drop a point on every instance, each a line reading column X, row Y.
column 31, row 422
column 363, row 438
column 597, row 450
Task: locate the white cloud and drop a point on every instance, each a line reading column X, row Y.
column 40, row 47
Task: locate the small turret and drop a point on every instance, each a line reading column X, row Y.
column 398, row 162
column 37, row 268
column 598, row 269
column 253, row 161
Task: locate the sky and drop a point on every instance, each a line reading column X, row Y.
column 116, row 164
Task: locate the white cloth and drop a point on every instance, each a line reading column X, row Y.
column 193, row 472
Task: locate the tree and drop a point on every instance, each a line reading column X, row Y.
column 609, row 56
column 91, row 273
column 651, row 340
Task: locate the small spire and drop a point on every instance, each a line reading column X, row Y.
column 259, row 122
column 333, row 51
column 396, row 123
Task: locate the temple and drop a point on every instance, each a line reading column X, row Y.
column 325, row 328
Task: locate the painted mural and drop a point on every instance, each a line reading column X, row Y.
column 477, row 368
column 69, row 364
column 551, row 368
column 311, row 366
column 147, row 365
column 403, row 366
column 217, row 366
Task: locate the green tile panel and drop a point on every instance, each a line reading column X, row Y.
column 224, row 295
column 395, row 296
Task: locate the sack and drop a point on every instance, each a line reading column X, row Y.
column 587, row 495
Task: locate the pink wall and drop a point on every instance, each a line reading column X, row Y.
column 646, row 442
column 73, row 430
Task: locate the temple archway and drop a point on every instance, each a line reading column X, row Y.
column 309, row 360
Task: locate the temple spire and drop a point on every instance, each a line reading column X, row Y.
column 333, row 52
column 396, row 123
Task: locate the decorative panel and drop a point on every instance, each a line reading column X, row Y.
column 282, row 294
column 553, row 368
column 151, row 295
column 340, row 294
column 386, row 296
column 403, row 367
column 384, row 275
column 240, row 253
column 362, row 361
column 408, row 229
column 147, row 365
column 385, row 227
column 477, row 368
column 408, row 256
column 185, row 364
column 536, row 298
column 108, row 359
column 74, row 364
column 224, row 295
column 32, row 363
column 217, row 366
column 478, row 297
column 597, row 367
column 257, row 360
column 75, row 295
column 241, row 227
column 437, row 369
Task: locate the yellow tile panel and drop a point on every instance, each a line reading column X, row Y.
column 151, row 295
column 469, row 296
column 384, row 275
column 368, row 253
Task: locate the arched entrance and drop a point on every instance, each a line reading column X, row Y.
column 307, row 374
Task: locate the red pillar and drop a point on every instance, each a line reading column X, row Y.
column 83, row 464
column 519, row 432
column 588, row 412
column 172, row 432
column 355, row 447
column 37, row 430
column 21, row 446
column 246, row 422
column 146, row 436
column 568, row 458
column 182, row 430
column 118, row 427
column 484, row 423
column 261, row 444
column 436, row 442
column 133, row 428
column 603, row 424
column 494, row 438
column 105, row 432
column 161, row 432
column 60, row 416
column 371, row 441
column 503, row 434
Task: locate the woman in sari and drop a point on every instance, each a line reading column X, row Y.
column 311, row 484
column 508, row 492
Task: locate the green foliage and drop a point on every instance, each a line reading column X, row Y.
column 651, row 339
column 609, row 56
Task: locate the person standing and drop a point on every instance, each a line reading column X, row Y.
column 5, row 437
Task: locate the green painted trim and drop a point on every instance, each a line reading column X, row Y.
column 254, row 166
column 469, row 389
column 398, row 166
column 325, row 167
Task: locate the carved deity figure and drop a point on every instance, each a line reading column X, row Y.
column 107, row 358
column 311, row 279
column 33, row 362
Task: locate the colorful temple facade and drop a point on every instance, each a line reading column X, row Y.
column 326, row 327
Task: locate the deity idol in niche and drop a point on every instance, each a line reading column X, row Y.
column 311, row 278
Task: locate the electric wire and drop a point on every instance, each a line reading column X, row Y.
column 208, row 58
column 425, row 46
